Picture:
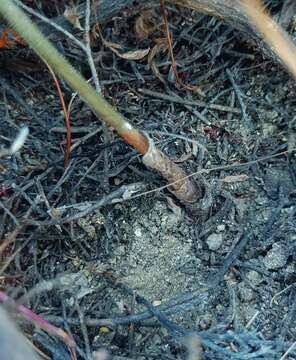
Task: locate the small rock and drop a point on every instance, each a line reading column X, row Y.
column 86, row 225
column 290, row 268
column 220, row 227
column 156, row 302
column 254, row 277
column 214, row 241
column 157, row 340
column 246, row 294
column 205, row 321
column 268, row 129
column 220, row 310
column 275, row 258
column 91, row 223
column 138, row 232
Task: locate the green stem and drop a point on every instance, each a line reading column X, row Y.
column 32, row 35
column 182, row 187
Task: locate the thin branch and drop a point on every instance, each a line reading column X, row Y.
column 169, row 38
column 169, row 41
column 88, row 48
column 52, row 23
column 66, row 115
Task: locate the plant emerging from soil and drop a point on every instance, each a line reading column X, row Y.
column 184, row 188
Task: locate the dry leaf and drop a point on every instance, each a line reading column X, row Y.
column 134, row 54
column 72, row 15
column 160, row 46
column 156, row 72
column 235, row 178
column 111, row 45
column 131, row 55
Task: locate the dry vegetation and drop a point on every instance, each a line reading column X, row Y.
column 100, row 257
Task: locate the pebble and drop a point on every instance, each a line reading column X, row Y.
column 220, row 227
column 214, row 241
column 275, row 258
column 205, row 321
column 254, row 277
column 246, row 294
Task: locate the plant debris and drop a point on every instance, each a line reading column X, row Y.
column 101, row 248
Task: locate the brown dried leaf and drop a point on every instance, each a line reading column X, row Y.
column 160, row 46
column 156, row 72
column 129, row 55
column 134, row 54
column 72, row 15
column 112, row 45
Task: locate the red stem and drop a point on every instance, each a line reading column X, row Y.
column 66, row 115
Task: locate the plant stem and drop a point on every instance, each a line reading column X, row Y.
column 181, row 186
column 278, row 40
column 31, row 34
